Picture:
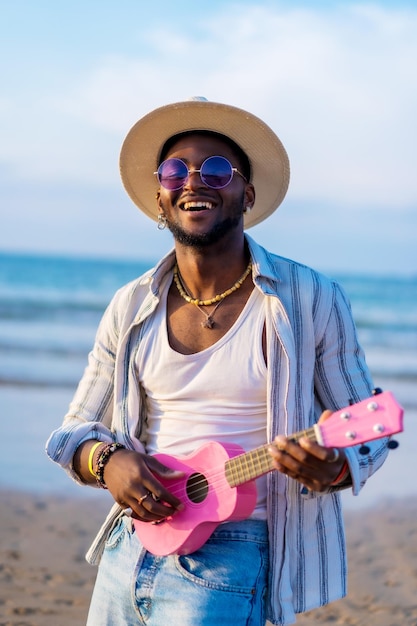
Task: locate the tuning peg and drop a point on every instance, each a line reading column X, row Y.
column 376, row 391
column 392, row 444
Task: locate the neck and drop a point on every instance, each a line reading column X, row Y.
column 209, row 272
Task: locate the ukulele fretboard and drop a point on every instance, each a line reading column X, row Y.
column 250, row 465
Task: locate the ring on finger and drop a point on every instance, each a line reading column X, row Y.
column 336, row 455
column 143, row 498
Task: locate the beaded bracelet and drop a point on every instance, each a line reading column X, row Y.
column 102, row 461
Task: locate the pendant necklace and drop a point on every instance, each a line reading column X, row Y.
column 217, row 300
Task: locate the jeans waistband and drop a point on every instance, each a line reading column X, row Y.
column 249, row 530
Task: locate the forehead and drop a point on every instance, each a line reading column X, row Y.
column 196, row 145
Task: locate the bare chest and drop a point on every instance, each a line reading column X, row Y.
column 192, row 329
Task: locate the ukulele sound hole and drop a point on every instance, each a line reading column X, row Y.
column 197, row 488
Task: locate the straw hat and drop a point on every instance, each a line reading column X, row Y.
column 141, row 149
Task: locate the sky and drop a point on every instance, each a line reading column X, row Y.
column 337, row 82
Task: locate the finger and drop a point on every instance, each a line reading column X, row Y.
column 149, row 511
column 162, row 492
column 145, row 508
column 321, row 453
column 153, row 500
column 142, row 499
column 316, row 451
column 161, row 496
column 162, row 470
column 292, row 460
column 325, row 416
column 284, row 450
column 288, row 457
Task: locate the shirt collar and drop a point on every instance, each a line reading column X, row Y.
column 264, row 271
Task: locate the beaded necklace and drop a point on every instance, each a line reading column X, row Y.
column 217, row 300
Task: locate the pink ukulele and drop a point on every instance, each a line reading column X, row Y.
column 219, row 481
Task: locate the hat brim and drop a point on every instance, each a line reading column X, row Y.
column 268, row 158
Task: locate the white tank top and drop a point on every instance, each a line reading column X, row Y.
column 218, row 394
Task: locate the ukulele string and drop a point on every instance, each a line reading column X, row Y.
column 332, row 429
column 213, row 479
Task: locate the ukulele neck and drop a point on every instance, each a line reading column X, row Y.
column 250, row 465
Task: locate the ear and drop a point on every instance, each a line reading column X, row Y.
column 158, row 201
column 249, row 195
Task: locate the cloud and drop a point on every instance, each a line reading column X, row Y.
column 338, row 86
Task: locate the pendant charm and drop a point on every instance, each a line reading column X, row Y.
column 208, row 323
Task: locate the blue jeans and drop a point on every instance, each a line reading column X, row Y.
column 223, row 583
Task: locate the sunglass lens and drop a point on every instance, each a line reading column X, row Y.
column 172, row 174
column 216, row 172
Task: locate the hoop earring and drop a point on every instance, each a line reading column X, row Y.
column 162, row 222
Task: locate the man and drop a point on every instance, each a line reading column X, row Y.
column 221, row 341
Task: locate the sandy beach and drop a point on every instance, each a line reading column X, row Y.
column 45, row 581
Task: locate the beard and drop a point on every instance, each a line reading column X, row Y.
column 214, row 235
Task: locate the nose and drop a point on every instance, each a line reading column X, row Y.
column 194, row 179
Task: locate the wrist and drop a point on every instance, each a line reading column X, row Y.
column 342, row 475
column 93, row 455
column 103, row 456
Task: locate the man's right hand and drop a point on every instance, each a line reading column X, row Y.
column 132, row 479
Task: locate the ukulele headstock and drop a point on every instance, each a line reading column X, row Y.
column 373, row 418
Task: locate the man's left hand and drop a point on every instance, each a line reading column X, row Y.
column 314, row 466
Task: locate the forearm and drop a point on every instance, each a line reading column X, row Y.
column 64, row 442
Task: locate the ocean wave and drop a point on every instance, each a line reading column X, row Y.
column 36, row 383
column 28, row 309
column 33, row 351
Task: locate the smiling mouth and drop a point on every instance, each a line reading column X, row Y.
column 197, row 206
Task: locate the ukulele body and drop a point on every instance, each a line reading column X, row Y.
column 208, row 501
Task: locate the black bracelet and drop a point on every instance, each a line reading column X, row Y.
column 102, row 460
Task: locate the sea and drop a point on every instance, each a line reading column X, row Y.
column 50, row 307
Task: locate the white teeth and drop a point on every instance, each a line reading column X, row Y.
column 189, row 206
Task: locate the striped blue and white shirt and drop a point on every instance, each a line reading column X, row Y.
column 314, row 363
